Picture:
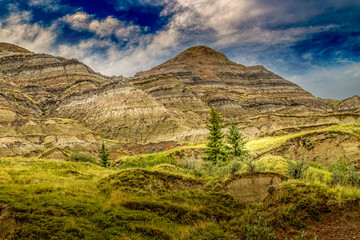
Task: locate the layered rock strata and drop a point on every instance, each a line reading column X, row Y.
column 39, row 93
column 234, row 88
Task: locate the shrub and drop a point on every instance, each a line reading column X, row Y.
column 344, row 173
column 297, row 169
column 190, row 162
column 353, row 176
column 81, row 157
column 341, row 165
column 251, row 165
column 309, row 144
column 147, row 161
column 260, row 230
column 235, row 165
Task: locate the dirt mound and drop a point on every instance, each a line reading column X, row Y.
column 253, row 187
column 146, row 181
column 7, row 220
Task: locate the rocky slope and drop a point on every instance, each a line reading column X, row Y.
column 36, row 87
column 351, row 104
column 119, row 111
column 234, row 88
column 167, row 103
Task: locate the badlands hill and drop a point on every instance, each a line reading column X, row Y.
column 300, row 178
column 54, row 105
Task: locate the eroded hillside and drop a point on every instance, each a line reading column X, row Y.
column 165, row 106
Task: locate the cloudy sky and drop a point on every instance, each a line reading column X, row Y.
column 313, row 43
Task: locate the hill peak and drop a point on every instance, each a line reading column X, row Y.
column 8, row 47
column 200, row 54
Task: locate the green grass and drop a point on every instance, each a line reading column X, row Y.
column 153, row 159
column 60, row 199
column 151, row 197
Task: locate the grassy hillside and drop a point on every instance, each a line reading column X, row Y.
column 176, row 195
column 52, row 199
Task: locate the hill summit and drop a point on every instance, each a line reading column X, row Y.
column 251, row 88
column 200, row 55
column 49, row 103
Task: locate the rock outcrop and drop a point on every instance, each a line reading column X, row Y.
column 120, row 111
column 236, row 90
column 351, row 104
column 53, row 102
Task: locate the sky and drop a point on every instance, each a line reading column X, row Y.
column 314, row 43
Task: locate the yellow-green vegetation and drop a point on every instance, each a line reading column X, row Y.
column 148, row 157
column 52, row 199
column 261, row 145
column 174, row 195
column 48, row 151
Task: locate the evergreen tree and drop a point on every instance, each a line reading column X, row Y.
column 215, row 148
column 236, row 140
column 104, row 155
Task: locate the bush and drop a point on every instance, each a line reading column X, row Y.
column 260, row 230
column 251, row 166
column 81, row 157
column 147, row 161
column 235, row 165
column 297, row 169
column 353, row 176
column 190, row 162
column 219, row 169
column 344, row 173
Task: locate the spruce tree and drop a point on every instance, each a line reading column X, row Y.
column 215, row 148
column 236, row 140
column 104, row 155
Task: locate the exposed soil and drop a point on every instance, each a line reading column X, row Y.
column 253, row 188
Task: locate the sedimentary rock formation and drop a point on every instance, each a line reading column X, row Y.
column 233, row 88
column 39, row 92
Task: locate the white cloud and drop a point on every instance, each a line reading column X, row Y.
column 16, row 29
column 102, row 28
column 221, row 24
column 78, row 21
column 337, row 82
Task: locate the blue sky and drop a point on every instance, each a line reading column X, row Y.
column 315, row 44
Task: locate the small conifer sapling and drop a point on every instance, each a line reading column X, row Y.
column 104, row 155
column 236, row 141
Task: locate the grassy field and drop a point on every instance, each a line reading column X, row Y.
column 52, row 199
